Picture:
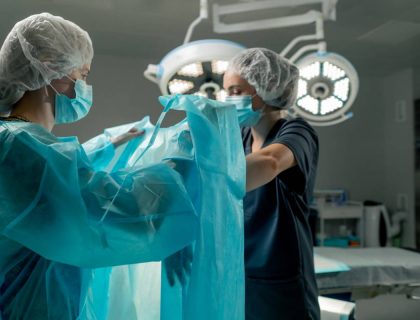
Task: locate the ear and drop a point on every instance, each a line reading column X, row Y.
column 258, row 102
column 49, row 91
column 289, row 94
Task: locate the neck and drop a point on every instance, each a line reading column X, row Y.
column 37, row 107
column 268, row 120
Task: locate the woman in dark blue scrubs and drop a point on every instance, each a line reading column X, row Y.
column 282, row 157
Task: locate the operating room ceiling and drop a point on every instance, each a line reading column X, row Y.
column 377, row 36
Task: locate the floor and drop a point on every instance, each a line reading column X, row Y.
column 388, row 307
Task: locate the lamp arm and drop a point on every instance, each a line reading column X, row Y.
column 318, row 35
column 203, row 15
column 320, row 47
column 151, row 73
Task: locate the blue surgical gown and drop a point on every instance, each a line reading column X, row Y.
column 206, row 149
column 59, row 218
column 118, row 209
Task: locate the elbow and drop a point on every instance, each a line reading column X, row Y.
column 279, row 164
column 274, row 164
column 280, row 159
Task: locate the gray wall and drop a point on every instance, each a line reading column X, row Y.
column 416, row 90
column 416, row 83
column 371, row 155
column 352, row 153
column 399, row 148
column 121, row 94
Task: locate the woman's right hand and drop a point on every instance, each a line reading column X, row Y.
column 178, row 266
column 125, row 137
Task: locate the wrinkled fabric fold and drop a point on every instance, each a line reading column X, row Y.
column 206, row 149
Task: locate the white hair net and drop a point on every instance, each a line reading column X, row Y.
column 37, row 50
column 274, row 78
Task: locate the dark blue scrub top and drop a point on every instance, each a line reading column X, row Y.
column 280, row 278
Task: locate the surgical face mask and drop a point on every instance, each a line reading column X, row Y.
column 69, row 110
column 247, row 117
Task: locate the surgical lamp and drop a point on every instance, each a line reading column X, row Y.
column 194, row 68
column 328, row 84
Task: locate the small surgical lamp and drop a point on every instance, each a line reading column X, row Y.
column 194, row 68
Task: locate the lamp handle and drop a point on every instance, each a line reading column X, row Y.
column 151, row 73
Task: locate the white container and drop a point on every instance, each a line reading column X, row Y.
column 377, row 225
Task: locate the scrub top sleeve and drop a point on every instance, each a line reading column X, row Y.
column 55, row 204
column 302, row 140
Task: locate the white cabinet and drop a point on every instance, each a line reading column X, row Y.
column 350, row 210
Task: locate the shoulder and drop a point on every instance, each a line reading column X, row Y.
column 28, row 132
column 33, row 139
column 296, row 126
column 297, row 123
column 298, row 135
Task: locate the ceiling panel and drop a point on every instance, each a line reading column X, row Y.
column 381, row 33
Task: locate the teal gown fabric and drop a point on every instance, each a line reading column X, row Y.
column 206, row 149
column 68, row 216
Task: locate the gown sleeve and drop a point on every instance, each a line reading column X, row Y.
column 99, row 151
column 55, row 204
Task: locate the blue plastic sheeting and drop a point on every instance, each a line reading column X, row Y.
column 325, row 265
column 216, row 289
column 206, row 149
column 60, row 218
column 54, row 224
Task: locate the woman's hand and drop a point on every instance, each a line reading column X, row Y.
column 125, row 137
column 178, row 266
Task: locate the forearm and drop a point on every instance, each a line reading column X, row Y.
column 264, row 165
column 259, row 171
column 103, row 219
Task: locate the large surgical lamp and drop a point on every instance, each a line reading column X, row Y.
column 328, row 86
column 328, row 83
column 194, row 68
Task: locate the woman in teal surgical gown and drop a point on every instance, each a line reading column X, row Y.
column 58, row 216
